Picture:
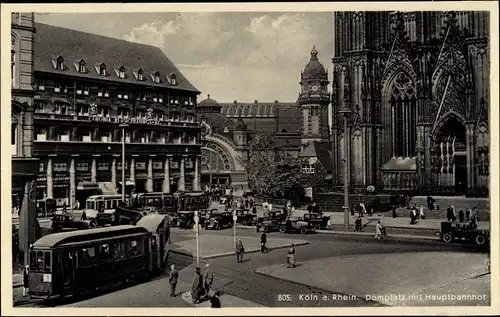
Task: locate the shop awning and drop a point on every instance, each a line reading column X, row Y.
column 107, row 188
column 59, row 99
column 127, row 183
column 86, row 185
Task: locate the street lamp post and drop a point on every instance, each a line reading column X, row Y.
column 123, row 126
column 345, row 112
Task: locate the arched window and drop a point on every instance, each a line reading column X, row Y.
column 140, row 75
column 60, row 63
column 121, row 72
column 404, row 116
column 102, row 70
column 173, row 80
column 82, row 67
column 157, row 77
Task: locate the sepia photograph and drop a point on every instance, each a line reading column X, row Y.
column 250, row 159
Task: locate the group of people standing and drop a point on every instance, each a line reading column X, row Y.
column 416, row 214
column 469, row 215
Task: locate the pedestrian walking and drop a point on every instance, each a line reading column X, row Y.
column 209, row 279
column 26, row 274
column 84, row 216
column 172, row 280
column 378, row 230
column 461, row 215
column 394, row 212
column 467, row 214
column 413, row 216
column 453, row 213
column 291, row 256
column 359, row 226
column 240, row 251
column 197, row 288
column 263, row 241
column 421, row 212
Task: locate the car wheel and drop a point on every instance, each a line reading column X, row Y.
column 218, row 227
column 317, row 227
column 303, row 230
column 447, row 237
column 282, row 229
column 480, row 239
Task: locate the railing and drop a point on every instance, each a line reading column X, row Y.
column 400, row 181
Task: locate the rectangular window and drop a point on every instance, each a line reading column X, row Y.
column 57, row 87
column 63, row 135
column 60, row 167
column 157, row 164
column 79, row 89
column 102, row 166
column 140, row 165
column 123, row 113
column 86, row 90
column 82, row 68
column 41, row 134
column 41, row 84
column 119, row 95
column 118, row 251
column 134, row 248
column 88, row 256
column 104, row 252
column 125, row 96
column 39, row 106
column 103, row 92
column 41, row 167
column 47, row 262
column 119, row 165
column 82, row 166
column 83, row 110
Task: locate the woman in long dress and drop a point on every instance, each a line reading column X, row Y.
column 378, row 231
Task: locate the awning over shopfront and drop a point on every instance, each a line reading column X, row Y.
column 107, row 188
column 59, row 99
column 127, row 183
column 86, row 185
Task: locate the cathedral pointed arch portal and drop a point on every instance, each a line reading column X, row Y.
column 429, row 102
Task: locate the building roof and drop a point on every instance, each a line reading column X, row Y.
column 209, row 103
column 74, row 46
column 267, row 117
column 322, row 151
column 314, row 69
column 153, row 222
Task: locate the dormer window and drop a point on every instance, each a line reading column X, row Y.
column 173, row 80
column 157, row 77
column 102, row 70
column 121, row 72
column 82, row 67
column 140, row 75
column 60, row 63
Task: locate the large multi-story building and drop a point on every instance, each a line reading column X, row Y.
column 91, row 89
column 417, row 87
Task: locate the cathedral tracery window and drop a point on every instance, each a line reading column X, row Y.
column 404, row 114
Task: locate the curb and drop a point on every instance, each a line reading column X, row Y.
column 220, row 255
column 17, row 285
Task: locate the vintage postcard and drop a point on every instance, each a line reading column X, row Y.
column 250, row 159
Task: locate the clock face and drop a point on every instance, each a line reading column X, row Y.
column 315, row 87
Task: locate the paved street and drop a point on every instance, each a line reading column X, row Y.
column 241, row 285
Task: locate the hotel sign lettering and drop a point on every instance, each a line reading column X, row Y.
column 125, row 120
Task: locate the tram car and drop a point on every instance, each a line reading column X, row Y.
column 71, row 263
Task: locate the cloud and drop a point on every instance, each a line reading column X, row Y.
column 152, row 33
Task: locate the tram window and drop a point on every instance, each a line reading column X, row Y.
column 99, row 204
column 133, row 248
column 154, row 245
column 88, row 256
column 118, row 250
column 46, row 264
column 104, row 253
column 39, row 261
column 56, row 260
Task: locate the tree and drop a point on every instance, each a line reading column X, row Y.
column 272, row 173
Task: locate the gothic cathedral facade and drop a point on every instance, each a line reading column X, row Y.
column 417, row 86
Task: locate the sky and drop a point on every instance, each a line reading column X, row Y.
column 239, row 56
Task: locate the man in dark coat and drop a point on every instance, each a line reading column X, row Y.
column 197, row 288
column 263, row 241
column 449, row 213
column 461, row 215
column 174, row 276
column 240, row 251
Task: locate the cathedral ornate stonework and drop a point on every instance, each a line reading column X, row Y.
column 417, row 85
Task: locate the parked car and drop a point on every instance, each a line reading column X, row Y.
column 220, row 220
column 245, row 217
column 271, row 221
column 451, row 230
column 186, row 219
column 67, row 222
column 296, row 225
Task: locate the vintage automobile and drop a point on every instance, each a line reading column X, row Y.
column 245, row 217
column 318, row 220
column 220, row 220
column 65, row 222
column 451, row 230
column 271, row 222
column 296, row 225
column 186, row 219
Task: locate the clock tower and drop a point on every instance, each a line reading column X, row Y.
column 313, row 101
